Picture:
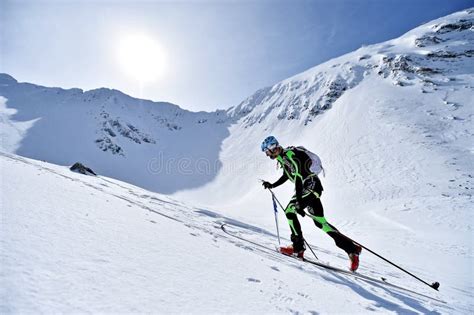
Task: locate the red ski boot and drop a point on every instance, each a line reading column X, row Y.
column 354, row 261
column 289, row 251
column 354, row 257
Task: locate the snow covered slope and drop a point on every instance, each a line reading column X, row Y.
column 154, row 145
column 395, row 132
column 392, row 123
column 431, row 57
column 74, row 243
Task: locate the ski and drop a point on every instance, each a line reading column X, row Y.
column 382, row 281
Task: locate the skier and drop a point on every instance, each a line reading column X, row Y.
column 296, row 163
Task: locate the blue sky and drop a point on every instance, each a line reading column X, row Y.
column 217, row 52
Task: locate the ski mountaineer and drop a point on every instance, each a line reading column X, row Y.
column 296, row 164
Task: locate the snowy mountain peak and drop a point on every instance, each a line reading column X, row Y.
column 111, row 131
column 6, row 79
column 428, row 54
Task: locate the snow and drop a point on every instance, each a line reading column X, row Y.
column 75, row 243
column 392, row 123
column 109, row 131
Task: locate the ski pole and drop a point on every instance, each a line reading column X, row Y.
column 307, row 244
column 434, row 285
column 275, row 210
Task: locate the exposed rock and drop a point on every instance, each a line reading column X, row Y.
column 461, row 25
column 426, row 71
column 81, row 168
column 428, row 41
column 443, row 54
column 105, row 144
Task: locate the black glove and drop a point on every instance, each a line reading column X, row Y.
column 299, row 210
column 267, row 185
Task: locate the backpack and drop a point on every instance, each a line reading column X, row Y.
column 316, row 164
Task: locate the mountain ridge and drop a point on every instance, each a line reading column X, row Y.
column 112, row 127
column 400, row 59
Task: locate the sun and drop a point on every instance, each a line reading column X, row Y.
column 141, row 57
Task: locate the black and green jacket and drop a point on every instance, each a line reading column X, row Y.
column 296, row 168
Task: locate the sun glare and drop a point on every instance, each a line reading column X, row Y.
column 141, row 57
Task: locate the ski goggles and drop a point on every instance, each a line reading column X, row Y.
column 269, row 147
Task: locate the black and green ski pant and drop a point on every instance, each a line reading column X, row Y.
column 311, row 201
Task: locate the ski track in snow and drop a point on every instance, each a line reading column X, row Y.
column 62, row 272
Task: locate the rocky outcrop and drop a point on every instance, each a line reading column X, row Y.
column 82, row 169
column 116, row 128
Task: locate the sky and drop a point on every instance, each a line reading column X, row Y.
column 200, row 55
